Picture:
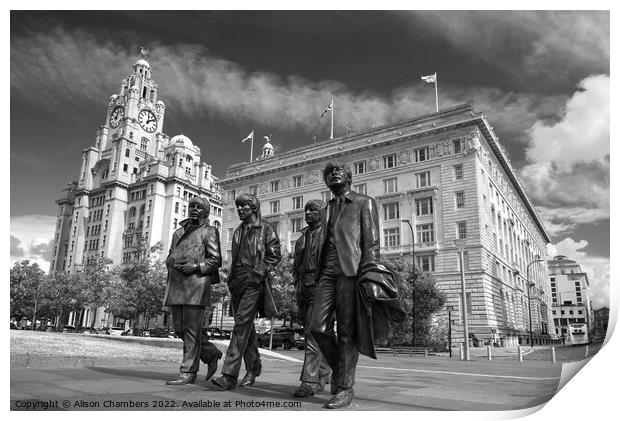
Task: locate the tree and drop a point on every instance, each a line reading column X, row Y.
column 140, row 285
column 428, row 300
column 283, row 286
column 63, row 294
column 96, row 280
column 27, row 289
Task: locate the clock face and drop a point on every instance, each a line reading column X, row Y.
column 117, row 116
column 147, row 121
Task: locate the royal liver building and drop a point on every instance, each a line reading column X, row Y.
column 134, row 181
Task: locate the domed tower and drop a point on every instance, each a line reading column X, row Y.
column 267, row 148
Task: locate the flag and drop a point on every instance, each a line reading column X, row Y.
column 267, row 138
column 430, row 78
column 329, row 107
column 250, row 136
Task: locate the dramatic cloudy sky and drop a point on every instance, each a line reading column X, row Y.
column 542, row 78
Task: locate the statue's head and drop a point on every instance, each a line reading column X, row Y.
column 199, row 208
column 247, row 205
column 312, row 211
column 336, row 175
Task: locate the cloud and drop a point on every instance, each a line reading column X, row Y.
column 597, row 268
column 525, row 44
column 33, row 235
column 582, row 136
column 16, row 250
column 568, row 174
column 200, row 84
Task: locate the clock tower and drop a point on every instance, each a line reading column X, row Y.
column 135, row 182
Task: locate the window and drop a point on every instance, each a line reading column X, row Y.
column 275, row 186
column 360, row 188
column 461, row 229
column 459, row 198
column 231, row 195
column 391, row 211
column 126, row 153
column 132, row 212
column 107, row 210
column 296, row 224
column 426, row 263
column 425, row 233
column 423, row 179
column 150, row 204
column 421, row 154
column 125, row 167
column 274, row 206
column 176, row 207
column 458, row 172
column 148, row 220
column 359, row 167
column 175, row 223
column 456, row 144
column 253, row 190
column 184, row 212
column 145, row 143
column 297, row 181
column 276, row 227
column 389, row 161
column 298, row 202
column 391, row 237
column 389, row 185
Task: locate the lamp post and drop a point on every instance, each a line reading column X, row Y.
column 529, row 286
column 460, row 246
column 406, row 221
column 450, row 309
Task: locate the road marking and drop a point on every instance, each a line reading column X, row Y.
column 262, row 351
column 462, row 374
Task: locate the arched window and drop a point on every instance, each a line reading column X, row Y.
column 217, row 224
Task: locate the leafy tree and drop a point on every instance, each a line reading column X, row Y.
column 96, row 280
column 139, row 289
column 27, row 289
column 63, row 294
column 283, row 286
column 428, row 300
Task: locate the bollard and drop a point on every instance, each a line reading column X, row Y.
column 489, row 352
column 553, row 354
column 586, row 355
column 520, row 354
column 462, row 353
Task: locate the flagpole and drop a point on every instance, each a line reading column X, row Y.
column 332, row 134
column 436, row 96
column 252, row 146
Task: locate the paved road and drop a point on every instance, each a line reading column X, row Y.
column 390, row 383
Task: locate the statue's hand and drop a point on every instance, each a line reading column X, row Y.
column 186, row 268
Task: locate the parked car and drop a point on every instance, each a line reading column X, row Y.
column 116, row 331
column 160, row 332
column 300, row 339
column 282, row 336
column 68, row 329
column 214, row 332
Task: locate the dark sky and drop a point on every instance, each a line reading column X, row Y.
column 223, row 74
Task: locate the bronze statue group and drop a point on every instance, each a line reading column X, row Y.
column 338, row 278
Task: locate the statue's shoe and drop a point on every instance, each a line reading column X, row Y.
column 212, row 365
column 184, row 378
column 341, row 399
column 225, row 382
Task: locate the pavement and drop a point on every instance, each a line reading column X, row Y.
column 399, row 383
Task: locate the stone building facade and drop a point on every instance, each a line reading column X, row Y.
column 448, row 174
column 135, row 181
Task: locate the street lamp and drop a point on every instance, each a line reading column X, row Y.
column 529, row 286
column 450, row 310
column 406, row 221
column 460, row 246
